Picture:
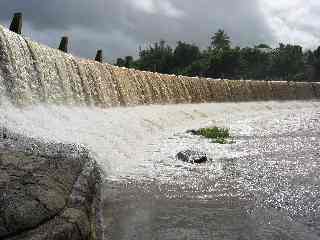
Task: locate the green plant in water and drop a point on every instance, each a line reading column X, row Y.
column 218, row 135
column 214, row 132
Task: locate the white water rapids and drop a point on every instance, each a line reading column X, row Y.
column 263, row 186
column 142, row 141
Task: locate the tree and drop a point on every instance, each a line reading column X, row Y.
column 312, row 62
column 197, row 68
column 224, row 63
column 220, row 40
column 221, row 60
column 184, row 55
column 120, row 62
column 128, row 61
column 263, row 45
column 254, row 63
column 288, row 62
column 157, row 58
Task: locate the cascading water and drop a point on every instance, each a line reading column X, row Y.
column 263, row 186
column 32, row 73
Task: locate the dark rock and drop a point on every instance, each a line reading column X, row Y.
column 192, row 156
column 47, row 191
column 194, row 132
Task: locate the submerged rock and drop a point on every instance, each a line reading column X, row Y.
column 192, row 131
column 192, row 156
column 47, row 191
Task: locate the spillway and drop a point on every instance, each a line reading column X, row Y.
column 263, row 186
column 32, row 73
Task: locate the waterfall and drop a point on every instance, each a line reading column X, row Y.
column 31, row 73
column 17, row 69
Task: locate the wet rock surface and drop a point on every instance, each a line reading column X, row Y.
column 192, row 156
column 47, row 191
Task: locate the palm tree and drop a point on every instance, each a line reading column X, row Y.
column 220, row 40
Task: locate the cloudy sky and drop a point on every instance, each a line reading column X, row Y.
column 119, row 27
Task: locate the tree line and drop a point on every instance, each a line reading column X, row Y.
column 221, row 60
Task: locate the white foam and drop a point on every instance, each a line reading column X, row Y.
column 142, row 141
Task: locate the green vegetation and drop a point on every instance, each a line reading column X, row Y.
column 221, row 59
column 214, row 132
column 218, row 135
column 220, row 141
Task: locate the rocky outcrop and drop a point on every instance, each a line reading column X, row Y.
column 190, row 156
column 47, row 190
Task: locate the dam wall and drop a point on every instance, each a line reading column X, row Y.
column 32, row 73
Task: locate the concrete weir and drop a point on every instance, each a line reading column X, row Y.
column 31, row 73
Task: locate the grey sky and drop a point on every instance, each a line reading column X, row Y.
column 120, row 27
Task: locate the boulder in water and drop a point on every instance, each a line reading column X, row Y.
column 47, row 191
column 192, row 156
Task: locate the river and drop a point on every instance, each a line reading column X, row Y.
column 265, row 185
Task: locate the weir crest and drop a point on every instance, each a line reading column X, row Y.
column 32, row 73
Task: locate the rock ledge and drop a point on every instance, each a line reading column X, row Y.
column 48, row 191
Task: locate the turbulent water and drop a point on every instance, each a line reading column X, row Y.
column 264, row 186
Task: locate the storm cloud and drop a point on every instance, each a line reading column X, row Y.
column 120, row 27
column 294, row 21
